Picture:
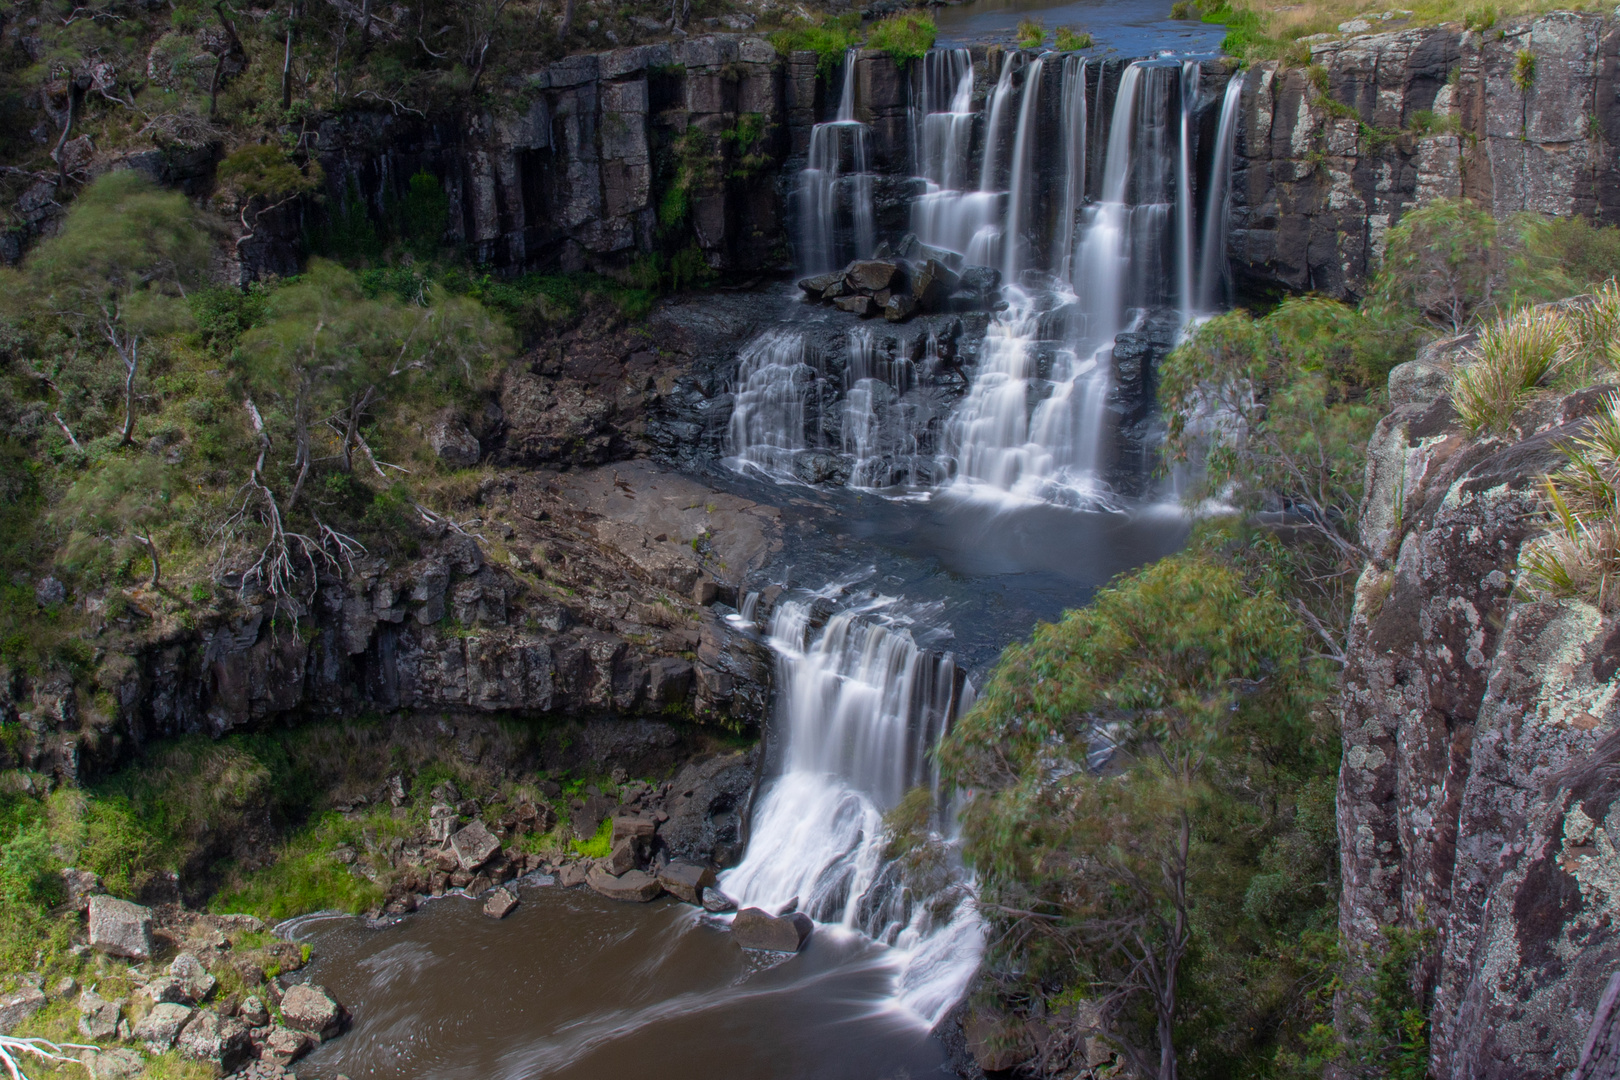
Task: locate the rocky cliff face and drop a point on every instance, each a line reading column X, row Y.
column 1473, row 795
column 1414, row 115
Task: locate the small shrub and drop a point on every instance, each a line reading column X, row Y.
column 1031, row 34
column 1524, row 70
column 1070, row 40
column 1513, row 356
column 1184, row 9
column 1480, row 19
column 829, row 39
column 906, row 37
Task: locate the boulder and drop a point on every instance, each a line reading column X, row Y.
column 19, row 1006
column 815, row 287
column 899, row 308
column 474, row 846
column 572, row 874
column 856, row 305
column 98, row 1017
column 253, row 1013
column 873, row 275
column 933, row 284
column 717, row 902
column 756, row 929
column 283, row 1046
column 707, row 804
column 159, row 1028
column 81, row 886
column 834, row 291
column 637, row 886
column 221, row 1040
column 979, row 281
column 501, row 903
column 636, row 828
column 686, row 881
column 454, row 444
column 623, row 858
column 310, row 1009
column 120, row 928
column 116, row 1064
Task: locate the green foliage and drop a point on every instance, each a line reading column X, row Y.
column 1031, row 34
column 598, row 846
column 223, row 313
column 746, row 137
column 1245, row 31
column 1184, row 9
column 906, row 36
column 1440, row 260
column 1166, row 737
column 1480, row 19
column 27, row 867
column 1549, row 258
column 1524, row 70
column 262, row 171
column 110, row 507
column 424, row 214
column 1070, row 40
column 829, row 37
column 1580, row 556
column 349, row 236
column 1512, row 358
column 305, row 878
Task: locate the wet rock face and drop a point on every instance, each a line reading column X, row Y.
column 1314, row 193
column 1470, row 718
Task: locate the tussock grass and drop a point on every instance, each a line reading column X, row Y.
column 1514, row 355
column 1580, row 557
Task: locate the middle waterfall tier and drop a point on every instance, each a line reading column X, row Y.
column 1084, row 199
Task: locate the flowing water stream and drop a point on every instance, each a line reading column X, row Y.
column 943, row 486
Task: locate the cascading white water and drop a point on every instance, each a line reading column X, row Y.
column 835, row 188
column 1015, row 248
column 885, row 420
column 777, row 393
column 1074, row 164
column 1213, row 272
column 1184, row 193
column 860, row 706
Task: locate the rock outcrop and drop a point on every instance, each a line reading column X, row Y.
column 1477, row 727
column 1410, row 115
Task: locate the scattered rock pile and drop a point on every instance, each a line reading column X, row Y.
column 916, row 280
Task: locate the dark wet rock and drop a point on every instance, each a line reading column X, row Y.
column 19, row 1006
column 686, row 881
column 474, row 846
column 980, row 282
column 858, row 304
column 634, row 886
column 872, row 275
column 120, row 928
column 899, row 308
column 707, row 805
column 932, row 285
column 816, row 287
column 717, row 902
column 310, row 1009
column 501, row 903
column 755, row 929
column 160, row 1027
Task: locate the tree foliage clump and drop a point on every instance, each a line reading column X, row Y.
column 1150, row 813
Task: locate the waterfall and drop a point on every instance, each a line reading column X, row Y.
column 1184, row 203
column 860, row 707
column 942, row 117
column 886, row 419
column 1074, row 163
column 835, row 188
column 1213, row 272
column 777, row 398
column 1021, row 176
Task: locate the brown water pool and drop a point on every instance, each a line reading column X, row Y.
column 574, row 985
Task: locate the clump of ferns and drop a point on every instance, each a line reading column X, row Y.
column 1514, row 356
column 1580, row 557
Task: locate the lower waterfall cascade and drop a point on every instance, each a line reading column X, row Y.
column 1109, row 229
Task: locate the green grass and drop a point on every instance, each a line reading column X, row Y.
column 598, row 846
column 829, row 38
column 1031, row 34
column 1070, row 40
column 906, row 37
column 307, row 877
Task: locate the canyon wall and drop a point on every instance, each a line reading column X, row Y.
column 1328, row 156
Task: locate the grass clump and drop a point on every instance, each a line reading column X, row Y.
column 905, row 37
column 1031, row 34
column 1184, row 9
column 1524, row 70
column 1512, row 358
column 307, row 877
column 598, row 846
column 829, row 38
column 1070, row 40
column 1580, row 557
